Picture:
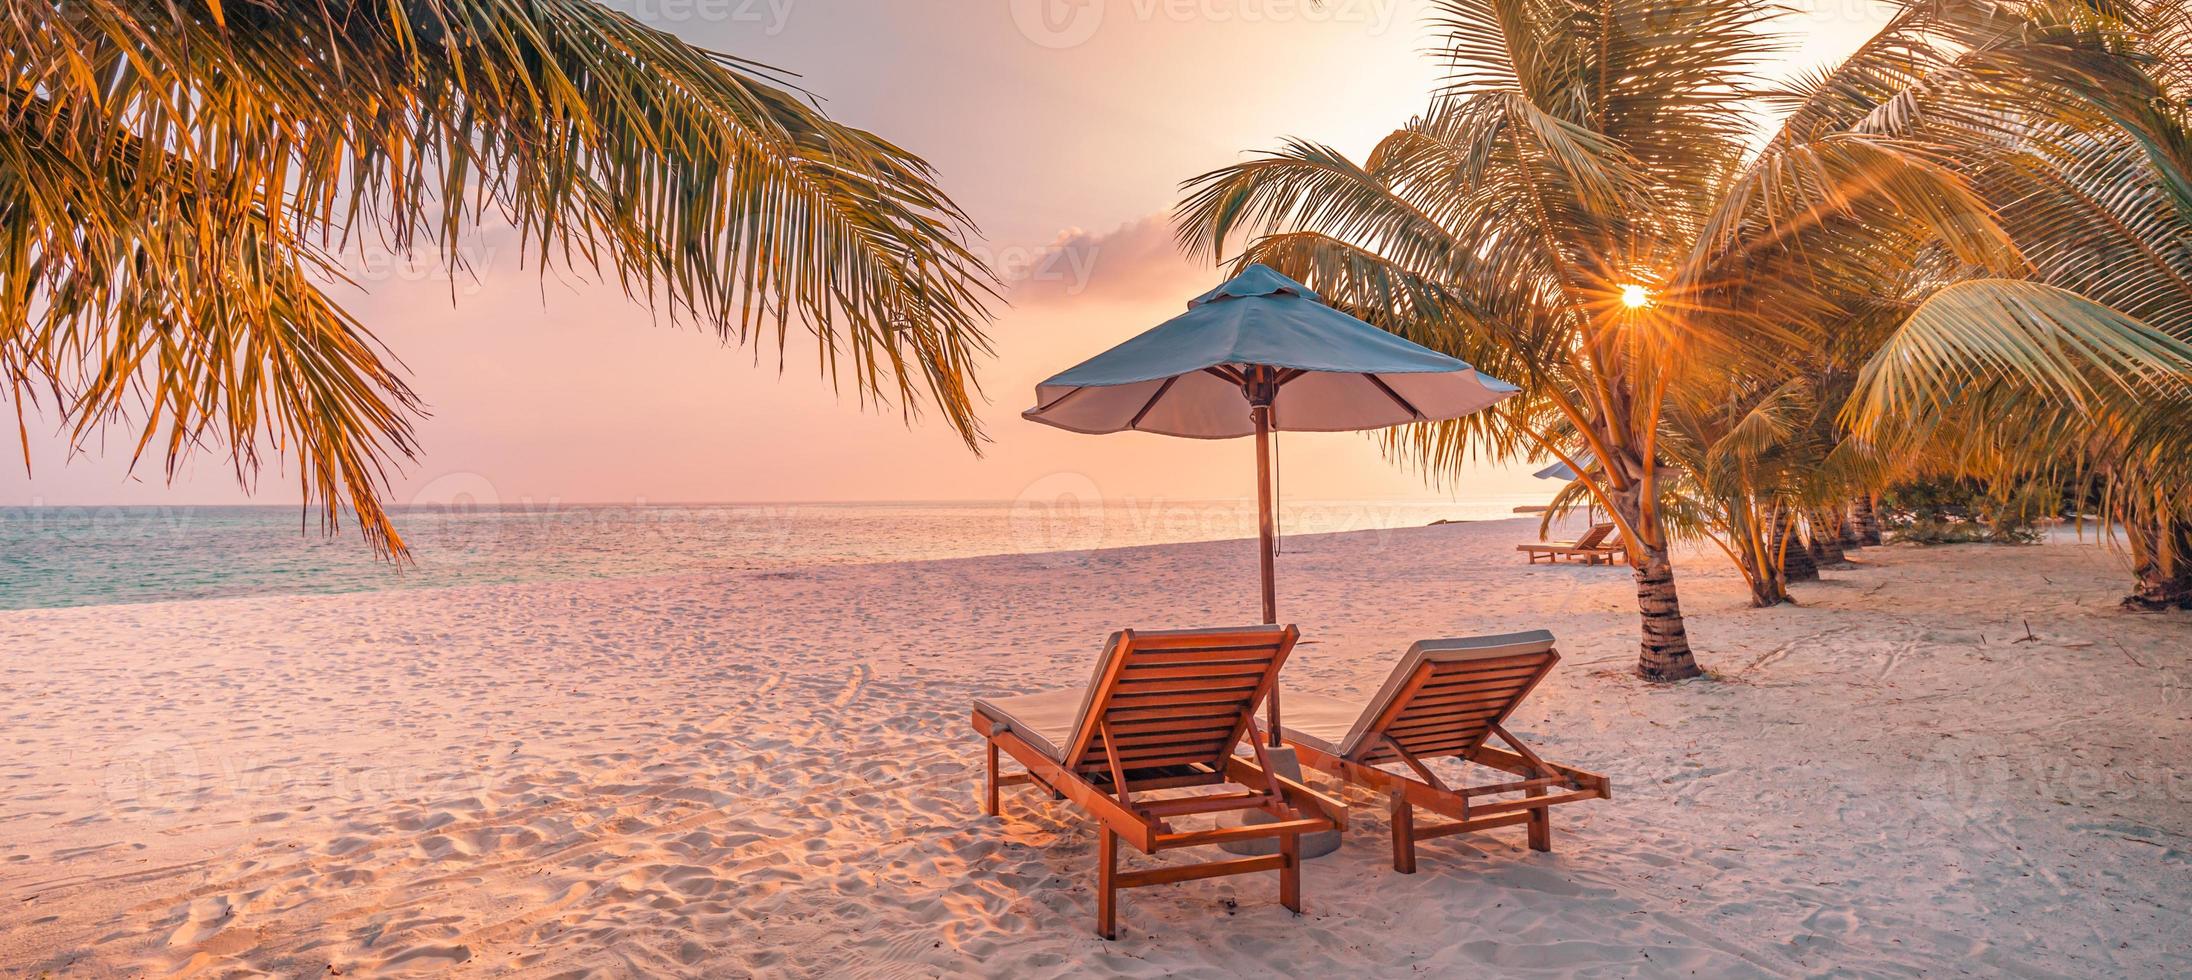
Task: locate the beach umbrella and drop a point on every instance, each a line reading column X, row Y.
column 1259, row 354
column 1562, row 471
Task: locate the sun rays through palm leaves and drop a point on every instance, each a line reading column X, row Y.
column 1929, row 242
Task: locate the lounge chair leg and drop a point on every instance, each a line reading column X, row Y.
column 1290, row 872
column 1541, row 824
column 1107, row 888
column 989, row 783
column 1404, row 834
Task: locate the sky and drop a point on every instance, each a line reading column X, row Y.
column 1063, row 127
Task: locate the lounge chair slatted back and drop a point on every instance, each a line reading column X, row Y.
column 1595, row 536
column 1456, row 703
column 1176, row 698
column 1444, row 696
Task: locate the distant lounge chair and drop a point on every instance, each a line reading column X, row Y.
column 1445, row 698
column 1592, row 547
column 1163, row 710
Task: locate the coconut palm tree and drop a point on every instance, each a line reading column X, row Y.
column 1742, row 467
column 180, row 181
column 1590, row 211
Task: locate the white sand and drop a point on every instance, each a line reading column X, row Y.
column 773, row 773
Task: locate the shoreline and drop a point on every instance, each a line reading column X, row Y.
column 772, row 772
column 338, row 588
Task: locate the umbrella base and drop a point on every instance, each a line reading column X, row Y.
column 1319, row 844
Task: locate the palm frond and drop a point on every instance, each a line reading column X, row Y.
column 2041, row 339
column 690, row 177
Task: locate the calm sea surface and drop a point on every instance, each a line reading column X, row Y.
column 73, row 556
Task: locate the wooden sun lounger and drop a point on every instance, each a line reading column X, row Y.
column 1445, row 698
column 1164, row 710
column 1592, row 547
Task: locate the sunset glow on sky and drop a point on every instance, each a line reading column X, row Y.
column 1063, row 126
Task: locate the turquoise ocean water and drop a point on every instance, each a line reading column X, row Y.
column 73, row 556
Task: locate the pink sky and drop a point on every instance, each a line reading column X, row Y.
column 1058, row 124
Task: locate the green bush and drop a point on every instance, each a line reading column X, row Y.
column 1941, row 501
column 1957, row 531
column 1968, row 511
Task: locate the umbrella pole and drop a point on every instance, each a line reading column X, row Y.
column 1265, row 550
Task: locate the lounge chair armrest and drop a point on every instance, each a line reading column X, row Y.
column 1295, row 793
column 1495, row 758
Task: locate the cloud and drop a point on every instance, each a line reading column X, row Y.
column 1135, row 261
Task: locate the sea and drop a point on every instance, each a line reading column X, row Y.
column 78, row 556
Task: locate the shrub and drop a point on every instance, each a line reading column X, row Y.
column 1957, row 531
column 1967, row 511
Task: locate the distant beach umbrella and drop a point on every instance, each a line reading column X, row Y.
column 1557, row 471
column 1259, row 354
column 1562, row 471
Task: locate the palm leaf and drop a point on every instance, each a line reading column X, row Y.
column 2048, row 341
column 271, row 132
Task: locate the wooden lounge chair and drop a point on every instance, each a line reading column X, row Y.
column 1445, row 698
column 1592, row 547
column 1163, row 710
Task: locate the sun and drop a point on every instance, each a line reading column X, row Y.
column 1635, row 297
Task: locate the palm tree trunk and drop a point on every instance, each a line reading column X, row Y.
column 1754, row 554
column 2162, row 560
column 1665, row 651
column 1867, row 514
column 1796, row 561
column 1767, row 589
column 1845, row 529
column 1826, row 540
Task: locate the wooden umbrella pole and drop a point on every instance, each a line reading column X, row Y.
column 1265, row 526
column 1264, row 534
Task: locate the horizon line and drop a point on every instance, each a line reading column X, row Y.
column 643, row 502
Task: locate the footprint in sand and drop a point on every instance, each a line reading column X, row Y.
column 202, row 920
column 343, row 845
column 427, row 958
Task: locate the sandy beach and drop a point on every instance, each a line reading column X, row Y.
column 773, row 774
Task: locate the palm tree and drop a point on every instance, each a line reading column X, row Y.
column 1589, row 211
column 2092, row 173
column 179, row 179
column 1745, row 466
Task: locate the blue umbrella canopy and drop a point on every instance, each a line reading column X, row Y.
column 1261, row 336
